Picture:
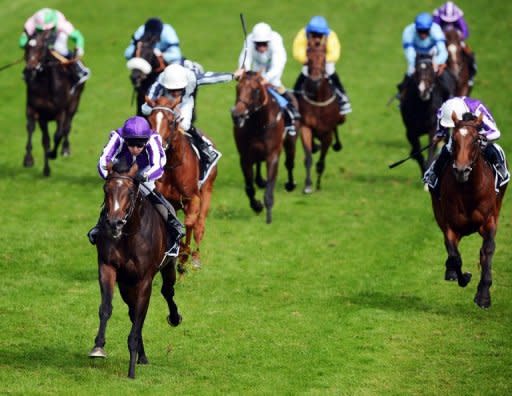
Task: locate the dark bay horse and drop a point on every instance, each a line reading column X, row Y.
column 260, row 137
column 468, row 203
column 131, row 246
column 419, row 102
column 145, row 67
column 50, row 97
column 180, row 182
column 458, row 63
column 319, row 110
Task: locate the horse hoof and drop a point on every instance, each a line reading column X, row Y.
column 261, row 183
column 466, row 278
column 308, row 190
column 174, row 321
column 142, row 360
column 450, row 275
column 51, row 155
column 66, row 153
column 196, row 263
column 290, row 186
column 46, row 172
column 28, row 162
column 482, row 302
column 97, row 352
column 337, row 146
column 257, row 206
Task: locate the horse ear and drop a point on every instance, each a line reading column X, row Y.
column 149, row 101
column 454, row 118
column 480, row 118
column 133, row 170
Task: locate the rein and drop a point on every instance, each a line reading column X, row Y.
column 315, row 103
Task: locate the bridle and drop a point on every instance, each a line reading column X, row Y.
column 423, row 66
column 133, row 196
column 316, row 82
column 172, row 125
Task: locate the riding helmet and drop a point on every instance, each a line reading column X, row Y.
column 154, row 26
column 136, row 128
column 423, row 21
column 318, row 25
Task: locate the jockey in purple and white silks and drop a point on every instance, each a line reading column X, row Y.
column 264, row 52
column 449, row 16
column 424, row 37
column 54, row 20
column 177, row 82
column 136, row 142
column 463, row 107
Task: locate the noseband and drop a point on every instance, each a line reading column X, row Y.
column 134, row 198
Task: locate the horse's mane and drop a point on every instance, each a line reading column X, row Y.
column 121, row 166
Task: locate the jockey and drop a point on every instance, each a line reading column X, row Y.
column 136, row 142
column 449, row 16
column 62, row 29
column 177, row 82
column 424, row 37
column 318, row 27
column 493, row 153
column 264, row 52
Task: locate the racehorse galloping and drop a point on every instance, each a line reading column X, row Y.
column 468, row 203
column 180, row 181
column 145, row 67
column 260, row 136
column 51, row 96
column 458, row 63
column 418, row 105
column 131, row 247
column 319, row 110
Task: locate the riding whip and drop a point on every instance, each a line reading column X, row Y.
column 11, row 64
column 242, row 19
column 395, row 164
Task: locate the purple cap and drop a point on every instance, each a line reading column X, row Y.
column 135, row 127
column 449, row 12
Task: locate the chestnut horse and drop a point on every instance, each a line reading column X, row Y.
column 145, row 67
column 50, row 96
column 458, row 63
column 131, row 246
column 320, row 111
column 180, row 181
column 260, row 136
column 468, row 203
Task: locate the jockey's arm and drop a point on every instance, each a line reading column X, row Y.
column 441, row 56
column 408, row 47
column 463, row 28
column 300, row 44
column 278, row 61
column 23, row 40
column 157, row 158
column 170, row 45
column 333, row 47
column 130, row 50
column 110, row 151
column 154, row 92
column 213, row 78
column 79, row 41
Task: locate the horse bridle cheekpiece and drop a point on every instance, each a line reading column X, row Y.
column 172, row 127
column 133, row 200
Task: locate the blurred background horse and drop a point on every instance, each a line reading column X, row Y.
column 458, row 63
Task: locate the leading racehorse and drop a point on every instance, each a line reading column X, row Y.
column 51, row 96
column 468, row 203
column 319, row 109
column 131, row 244
column 180, row 181
column 260, row 136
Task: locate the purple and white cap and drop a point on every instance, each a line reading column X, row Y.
column 135, row 128
column 449, row 12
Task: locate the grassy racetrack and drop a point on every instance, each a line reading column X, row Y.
column 342, row 294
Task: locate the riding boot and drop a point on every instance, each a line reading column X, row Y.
column 208, row 154
column 431, row 176
column 291, row 105
column 496, row 160
column 341, row 94
column 94, row 231
column 81, row 72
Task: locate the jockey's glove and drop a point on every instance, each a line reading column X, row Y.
column 140, row 178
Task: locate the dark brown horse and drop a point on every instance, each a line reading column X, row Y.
column 419, row 102
column 145, row 67
column 260, row 136
column 319, row 109
column 131, row 246
column 458, row 63
column 50, row 96
column 468, row 203
column 180, row 182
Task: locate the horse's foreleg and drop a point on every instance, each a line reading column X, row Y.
column 28, row 160
column 320, row 165
column 247, row 170
column 414, row 141
column 57, row 137
column 306, row 137
column 199, row 228
column 483, row 294
column 139, row 305
column 107, row 281
column 43, row 124
column 259, row 180
column 454, row 260
column 289, row 149
column 272, row 166
column 168, row 281
column 191, row 210
column 337, row 146
column 66, row 150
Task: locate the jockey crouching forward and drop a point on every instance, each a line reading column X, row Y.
column 264, row 52
column 318, row 27
column 136, row 142
column 50, row 19
column 467, row 108
column 424, row 37
column 179, row 83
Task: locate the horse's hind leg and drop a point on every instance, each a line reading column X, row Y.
column 57, row 137
column 337, row 146
column 454, row 260
column 107, row 280
column 289, row 149
column 259, row 180
column 483, row 294
column 43, row 124
column 307, row 142
column 168, row 281
column 28, row 160
column 247, row 170
column 66, row 150
column 199, row 227
column 272, row 165
column 320, row 165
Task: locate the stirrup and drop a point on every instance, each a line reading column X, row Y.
column 290, row 130
column 174, row 250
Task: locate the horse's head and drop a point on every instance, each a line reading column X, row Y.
column 316, row 54
column 466, row 142
column 37, row 52
column 164, row 118
column 455, row 53
column 424, row 76
column 251, row 96
column 144, row 62
column 121, row 191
